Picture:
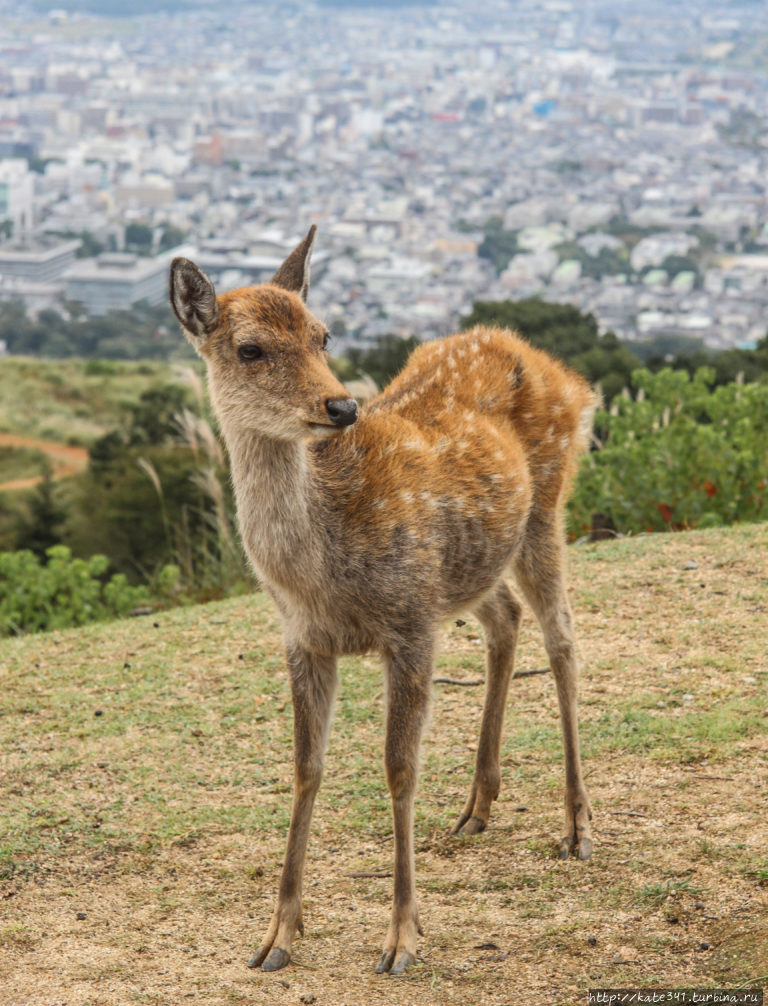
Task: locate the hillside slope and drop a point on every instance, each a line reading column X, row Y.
column 146, row 783
column 75, row 401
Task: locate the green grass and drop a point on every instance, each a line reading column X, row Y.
column 162, row 718
column 692, row 737
column 656, row 894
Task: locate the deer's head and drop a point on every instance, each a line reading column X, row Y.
column 264, row 350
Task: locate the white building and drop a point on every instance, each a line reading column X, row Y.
column 42, row 260
column 116, row 281
column 16, row 195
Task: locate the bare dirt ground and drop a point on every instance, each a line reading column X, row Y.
column 145, row 772
column 65, row 459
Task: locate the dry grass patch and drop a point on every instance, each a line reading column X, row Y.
column 146, row 783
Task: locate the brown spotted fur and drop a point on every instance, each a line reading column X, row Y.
column 369, row 537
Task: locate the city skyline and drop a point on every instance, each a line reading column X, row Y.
column 577, row 151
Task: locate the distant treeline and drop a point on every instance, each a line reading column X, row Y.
column 153, row 333
column 143, row 333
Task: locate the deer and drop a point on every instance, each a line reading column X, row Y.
column 371, row 527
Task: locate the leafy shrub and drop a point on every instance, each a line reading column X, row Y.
column 157, row 490
column 135, row 506
column 61, row 592
column 679, row 454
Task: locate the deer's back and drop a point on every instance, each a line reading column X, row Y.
column 487, row 390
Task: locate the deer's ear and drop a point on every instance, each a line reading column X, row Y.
column 293, row 274
column 193, row 300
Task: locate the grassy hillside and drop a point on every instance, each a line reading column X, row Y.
column 75, row 401
column 146, row 781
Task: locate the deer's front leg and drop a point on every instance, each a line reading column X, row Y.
column 409, row 682
column 313, row 684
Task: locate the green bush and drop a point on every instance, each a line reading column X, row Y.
column 680, row 454
column 60, row 592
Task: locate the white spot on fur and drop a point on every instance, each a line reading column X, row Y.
column 407, row 497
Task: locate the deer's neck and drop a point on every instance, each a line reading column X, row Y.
column 279, row 507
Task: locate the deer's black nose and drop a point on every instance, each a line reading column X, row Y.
column 341, row 411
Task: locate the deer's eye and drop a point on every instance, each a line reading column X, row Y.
column 250, row 351
column 326, row 340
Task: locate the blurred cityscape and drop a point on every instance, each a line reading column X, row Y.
column 596, row 152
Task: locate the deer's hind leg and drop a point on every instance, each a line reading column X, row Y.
column 540, row 571
column 499, row 614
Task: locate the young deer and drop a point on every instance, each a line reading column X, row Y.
column 370, row 529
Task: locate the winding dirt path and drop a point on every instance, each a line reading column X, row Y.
column 65, row 459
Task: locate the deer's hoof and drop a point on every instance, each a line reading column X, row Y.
column 469, row 825
column 403, row 962
column 582, row 848
column 277, row 959
column 385, row 962
column 585, row 848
